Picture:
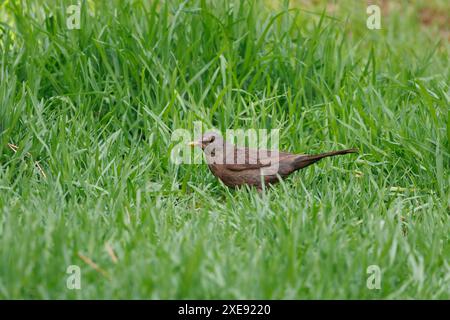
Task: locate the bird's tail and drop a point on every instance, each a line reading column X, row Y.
column 305, row 160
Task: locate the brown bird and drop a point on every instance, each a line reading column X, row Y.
column 244, row 166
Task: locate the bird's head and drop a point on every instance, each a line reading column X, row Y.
column 208, row 139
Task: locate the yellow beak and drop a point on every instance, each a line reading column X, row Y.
column 194, row 143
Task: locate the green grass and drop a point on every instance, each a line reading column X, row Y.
column 97, row 106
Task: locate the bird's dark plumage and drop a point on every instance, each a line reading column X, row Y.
column 244, row 166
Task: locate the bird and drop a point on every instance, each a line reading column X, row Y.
column 240, row 166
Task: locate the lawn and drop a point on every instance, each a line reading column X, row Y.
column 86, row 177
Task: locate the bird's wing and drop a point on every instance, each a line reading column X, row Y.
column 254, row 159
column 242, row 167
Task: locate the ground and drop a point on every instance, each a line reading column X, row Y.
column 88, row 188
